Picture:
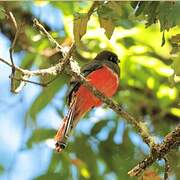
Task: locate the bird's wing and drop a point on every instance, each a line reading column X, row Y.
column 86, row 70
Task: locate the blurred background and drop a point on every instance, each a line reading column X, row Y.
column 103, row 145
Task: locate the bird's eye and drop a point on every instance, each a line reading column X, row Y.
column 113, row 58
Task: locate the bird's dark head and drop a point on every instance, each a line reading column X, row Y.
column 107, row 55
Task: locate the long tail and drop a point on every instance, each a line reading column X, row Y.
column 64, row 131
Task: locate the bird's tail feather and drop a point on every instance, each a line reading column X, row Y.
column 67, row 125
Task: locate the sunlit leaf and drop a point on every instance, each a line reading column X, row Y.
column 2, row 13
column 66, row 8
column 176, row 65
column 82, row 168
column 80, row 26
column 109, row 20
column 175, row 111
column 107, row 25
column 40, row 135
column 41, row 3
column 116, row 6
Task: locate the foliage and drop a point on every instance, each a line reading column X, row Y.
column 1, row 169
column 167, row 13
column 149, row 85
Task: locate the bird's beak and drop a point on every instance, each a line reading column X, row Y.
column 119, row 61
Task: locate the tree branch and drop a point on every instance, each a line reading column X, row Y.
column 167, row 168
column 54, row 70
column 11, row 50
column 159, row 152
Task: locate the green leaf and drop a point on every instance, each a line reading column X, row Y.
column 104, row 11
column 163, row 39
column 45, row 97
column 176, row 65
column 40, row 135
column 134, row 4
column 26, row 63
column 114, row 154
column 66, row 8
column 16, row 83
column 28, row 60
column 169, row 15
column 140, row 8
column 172, row 81
column 127, row 41
column 1, row 169
column 98, row 126
column 84, row 151
column 2, row 13
column 50, row 176
column 115, row 6
column 107, row 25
column 80, row 26
column 152, row 9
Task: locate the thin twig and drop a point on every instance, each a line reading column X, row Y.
column 34, row 82
column 93, row 8
column 49, row 82
column 159, row 152
column 43, row 30
column 25, row 80
column 11, row 50
column 23, row 71
column 54, row 70
column 167, row 168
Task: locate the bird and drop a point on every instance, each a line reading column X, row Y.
column 103, row 72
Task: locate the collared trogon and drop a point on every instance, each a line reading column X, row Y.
column 103, row 72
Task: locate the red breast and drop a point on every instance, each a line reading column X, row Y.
column 105, row 80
